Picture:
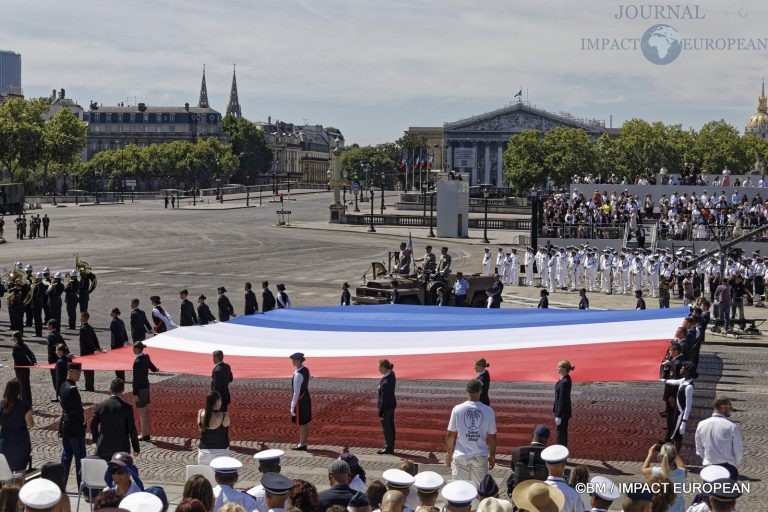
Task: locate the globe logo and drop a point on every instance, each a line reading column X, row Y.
column 661, row 44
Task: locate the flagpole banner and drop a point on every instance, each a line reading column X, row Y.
column 423, row 342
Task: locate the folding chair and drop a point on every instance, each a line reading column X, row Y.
column 93, row 471
column 199, row 469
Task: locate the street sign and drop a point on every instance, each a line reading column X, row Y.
column 130, row 183
column 283, row 212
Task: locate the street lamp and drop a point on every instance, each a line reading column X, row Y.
column 424, row 200
column 382, row 193
column 356, row 191
column 438, row 147
column 274, row 184
column 431, row 209
column 372, row 229
column 486, row 193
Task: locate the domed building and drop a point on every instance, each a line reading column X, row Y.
column 758, row 123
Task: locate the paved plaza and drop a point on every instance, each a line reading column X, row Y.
column 142, row 249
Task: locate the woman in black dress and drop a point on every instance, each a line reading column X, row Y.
column 15, row 422
column 481, row 367
column 562, row 407
column 386, row 404
column 23, row 356
column 301, row 402
column 141, row 367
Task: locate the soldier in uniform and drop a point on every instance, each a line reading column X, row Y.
column 427, row 484
column 72, row 423
column 85, row 291
column 54, row 292
column 226, row 476
column 38, row 299
column 444, row 265
column 47, row 282
column 404, row 260
column 72, row 297
column 554, row 457
column 430, row 261
column 226, row 311
column 16, row 306
column 187, row 315
column 27, row 286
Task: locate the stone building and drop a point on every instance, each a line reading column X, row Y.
column 475, row 145
column 757, row 124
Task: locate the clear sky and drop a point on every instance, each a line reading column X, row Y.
column 374, row 67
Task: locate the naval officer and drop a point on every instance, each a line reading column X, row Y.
column 226, row 475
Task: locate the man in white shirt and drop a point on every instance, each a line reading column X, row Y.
column 470, row 444
column 718, row 439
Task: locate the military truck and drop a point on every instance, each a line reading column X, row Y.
column 419, row 288
column 11, row 198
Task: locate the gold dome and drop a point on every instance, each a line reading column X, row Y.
column 758, row 123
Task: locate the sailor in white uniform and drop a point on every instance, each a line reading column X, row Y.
column 554, row 457
column 269, row 462
column 487, row 262
column 226, row 475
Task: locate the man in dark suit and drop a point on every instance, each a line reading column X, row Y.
column 112, row 427
column 53, row 339
column 188, row 315
column 670, row 369
column 527, row 463
column 89, row 344
column 226, row 311
column 140, row 326
column 72, row 422
column 221, row 377
column 497, row 288
column 251, row 304
column 345, row 295
column 387, row 402
column 268, row 301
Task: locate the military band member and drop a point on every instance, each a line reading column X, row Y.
column 85, row 290
column 47, row 282
column 38, row 300
column 72, row 297
column 54, row 292
column 16, row 306
column 27, row 286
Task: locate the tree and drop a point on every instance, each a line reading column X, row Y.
column 755, row 148
column 412, row 144
column 367, row 164
column 524, row 161
column 605, row 156
column 567, row 151
column 248, row 144
column 719, row 145
column 21, row 136
column 63, row 139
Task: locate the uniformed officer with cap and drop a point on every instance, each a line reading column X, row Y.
column 708, row 474
column 488, row 488
column 606, row 492
column 39, row 495
column 427, row 484
column 269, row 462
column 458, row 496
column 724, row 495
column 226, row 475
column 399, row 480
column 141, row 502
column 276, row 487
column 554, row 457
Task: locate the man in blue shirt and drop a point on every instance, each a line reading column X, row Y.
column 460, row 289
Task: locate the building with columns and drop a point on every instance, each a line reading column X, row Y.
column 476, row 145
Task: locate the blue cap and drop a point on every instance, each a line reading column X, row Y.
column 277, row 484
column 541, row 431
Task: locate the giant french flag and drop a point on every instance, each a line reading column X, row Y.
column 422, row 342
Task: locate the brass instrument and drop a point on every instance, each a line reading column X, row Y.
column 86, row 271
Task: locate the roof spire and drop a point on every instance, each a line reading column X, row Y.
column 762, row 105
column 233, row 108
column 203, row 101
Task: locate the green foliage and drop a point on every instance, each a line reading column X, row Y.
column 178, row 164
column 248, row 144
column 524, row 161
column 412, row 144
column 755, row 148
column 567, row 151
column 367, row 164
column 718, row 145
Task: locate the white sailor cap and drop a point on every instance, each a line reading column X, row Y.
column 554, row 454
column 605, row 488
column 40, row 494
column 266, row 456
column 397, row 478
column 142, row 502
column 713, row 472
column 428, row 481
column 459, row 493
column 226, row 465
